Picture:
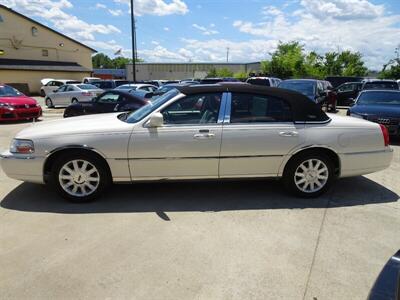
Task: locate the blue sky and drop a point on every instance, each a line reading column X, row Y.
column 194, row 30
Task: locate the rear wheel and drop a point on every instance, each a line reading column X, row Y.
column 42, row 93
column 309, row 175
column 74, row 100
column 80, row 177
column 49, row 103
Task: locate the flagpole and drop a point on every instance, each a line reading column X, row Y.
column 133, row 41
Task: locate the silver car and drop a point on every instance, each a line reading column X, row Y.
column 72, row 93
column 200, row 132
column 137, row 86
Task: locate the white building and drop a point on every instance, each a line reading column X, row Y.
column 179, row 71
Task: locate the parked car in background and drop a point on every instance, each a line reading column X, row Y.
column 72, row 93
column 348, row 92
column 379, row 106
column 339, row 80
column 376, row 84
column 16, row 106
column 315, row 90
column 167, row 87
column 50, row 85
column 264, row 81
column 267, row 132
column 218, row 80
column 90, row 79
column 109, row 101
column 109, row 84
column 331, row 101
column 137, row 86
column 387, row 285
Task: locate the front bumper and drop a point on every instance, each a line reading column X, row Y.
column 20, row 114
column 23, row 167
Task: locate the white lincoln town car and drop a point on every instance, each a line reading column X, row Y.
column 215, row 131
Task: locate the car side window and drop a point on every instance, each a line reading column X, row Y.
column 345, row 88
column 58, row 83
column 194, row 109
column 62, row 89
column 250, row 108
column 70, row 89
column 109, row 98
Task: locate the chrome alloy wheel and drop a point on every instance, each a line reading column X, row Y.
column 311, row 176
column 79, row 178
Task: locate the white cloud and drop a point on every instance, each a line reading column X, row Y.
column 166, row 29
column 206, row 31
column 157, row 7
column 271, row 11
column 115, row 12
column 53, row 12
column 323, row 25
column 100, row 5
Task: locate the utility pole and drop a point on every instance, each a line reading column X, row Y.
column 227, row 54
column 133, row 28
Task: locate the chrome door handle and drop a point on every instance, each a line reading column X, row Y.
column 288, row 133
column 202, row 136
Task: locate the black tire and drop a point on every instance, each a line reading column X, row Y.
column 49, row 103
column 103, row 175
column 289, row 174
column 74, row 100
column 42, row 93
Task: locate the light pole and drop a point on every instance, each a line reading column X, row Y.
column 133, row 41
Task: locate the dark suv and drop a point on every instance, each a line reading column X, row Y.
column 376, row 84
column 347, row 92
column 317, row 90
column 109, row 84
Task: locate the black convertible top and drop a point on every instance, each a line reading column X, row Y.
column 304, row 110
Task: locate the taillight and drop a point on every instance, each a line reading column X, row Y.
column 385, row 133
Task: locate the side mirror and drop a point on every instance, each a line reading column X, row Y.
column 156, row 120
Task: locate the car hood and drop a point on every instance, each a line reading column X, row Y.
column 18, row 100
column 377, row 110
column 91, row 124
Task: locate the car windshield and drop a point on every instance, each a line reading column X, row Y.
column 306, row 88
column 386, row 85
column 144, row 111
column 8, row 91
column 379, row 98
column 87, row 87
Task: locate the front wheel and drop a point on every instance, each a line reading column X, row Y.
column 80, row 177
column 49, row 103
column 309, row 175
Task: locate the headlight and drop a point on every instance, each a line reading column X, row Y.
column 356, row 116
column 5, row 105
column 22, row 146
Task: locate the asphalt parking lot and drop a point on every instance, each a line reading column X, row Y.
column 203, row 240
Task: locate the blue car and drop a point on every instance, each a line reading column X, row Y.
column 379, row 106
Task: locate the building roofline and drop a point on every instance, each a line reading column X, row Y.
column 40, row 24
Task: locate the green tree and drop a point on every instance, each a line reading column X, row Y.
column 314, row 66
column 286, row 62
column 242, row 76
column 212, row 73
column 100, row 60
column 224, row 72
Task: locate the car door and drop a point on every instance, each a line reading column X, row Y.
column 108, row 102
column 57, row 96
column 186, row 147
column 66, row 96
column 345, row 92
column 258, row 133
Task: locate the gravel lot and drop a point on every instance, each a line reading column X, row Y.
column 204, row 240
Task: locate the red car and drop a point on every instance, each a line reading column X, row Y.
column 16, row 106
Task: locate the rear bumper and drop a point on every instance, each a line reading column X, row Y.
column 20, row 114
column 361, row 163
column 22, row 167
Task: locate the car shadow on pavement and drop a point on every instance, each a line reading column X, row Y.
column 198, row 196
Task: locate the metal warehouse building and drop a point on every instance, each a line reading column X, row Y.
column 30, row 51
column 178, row 71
